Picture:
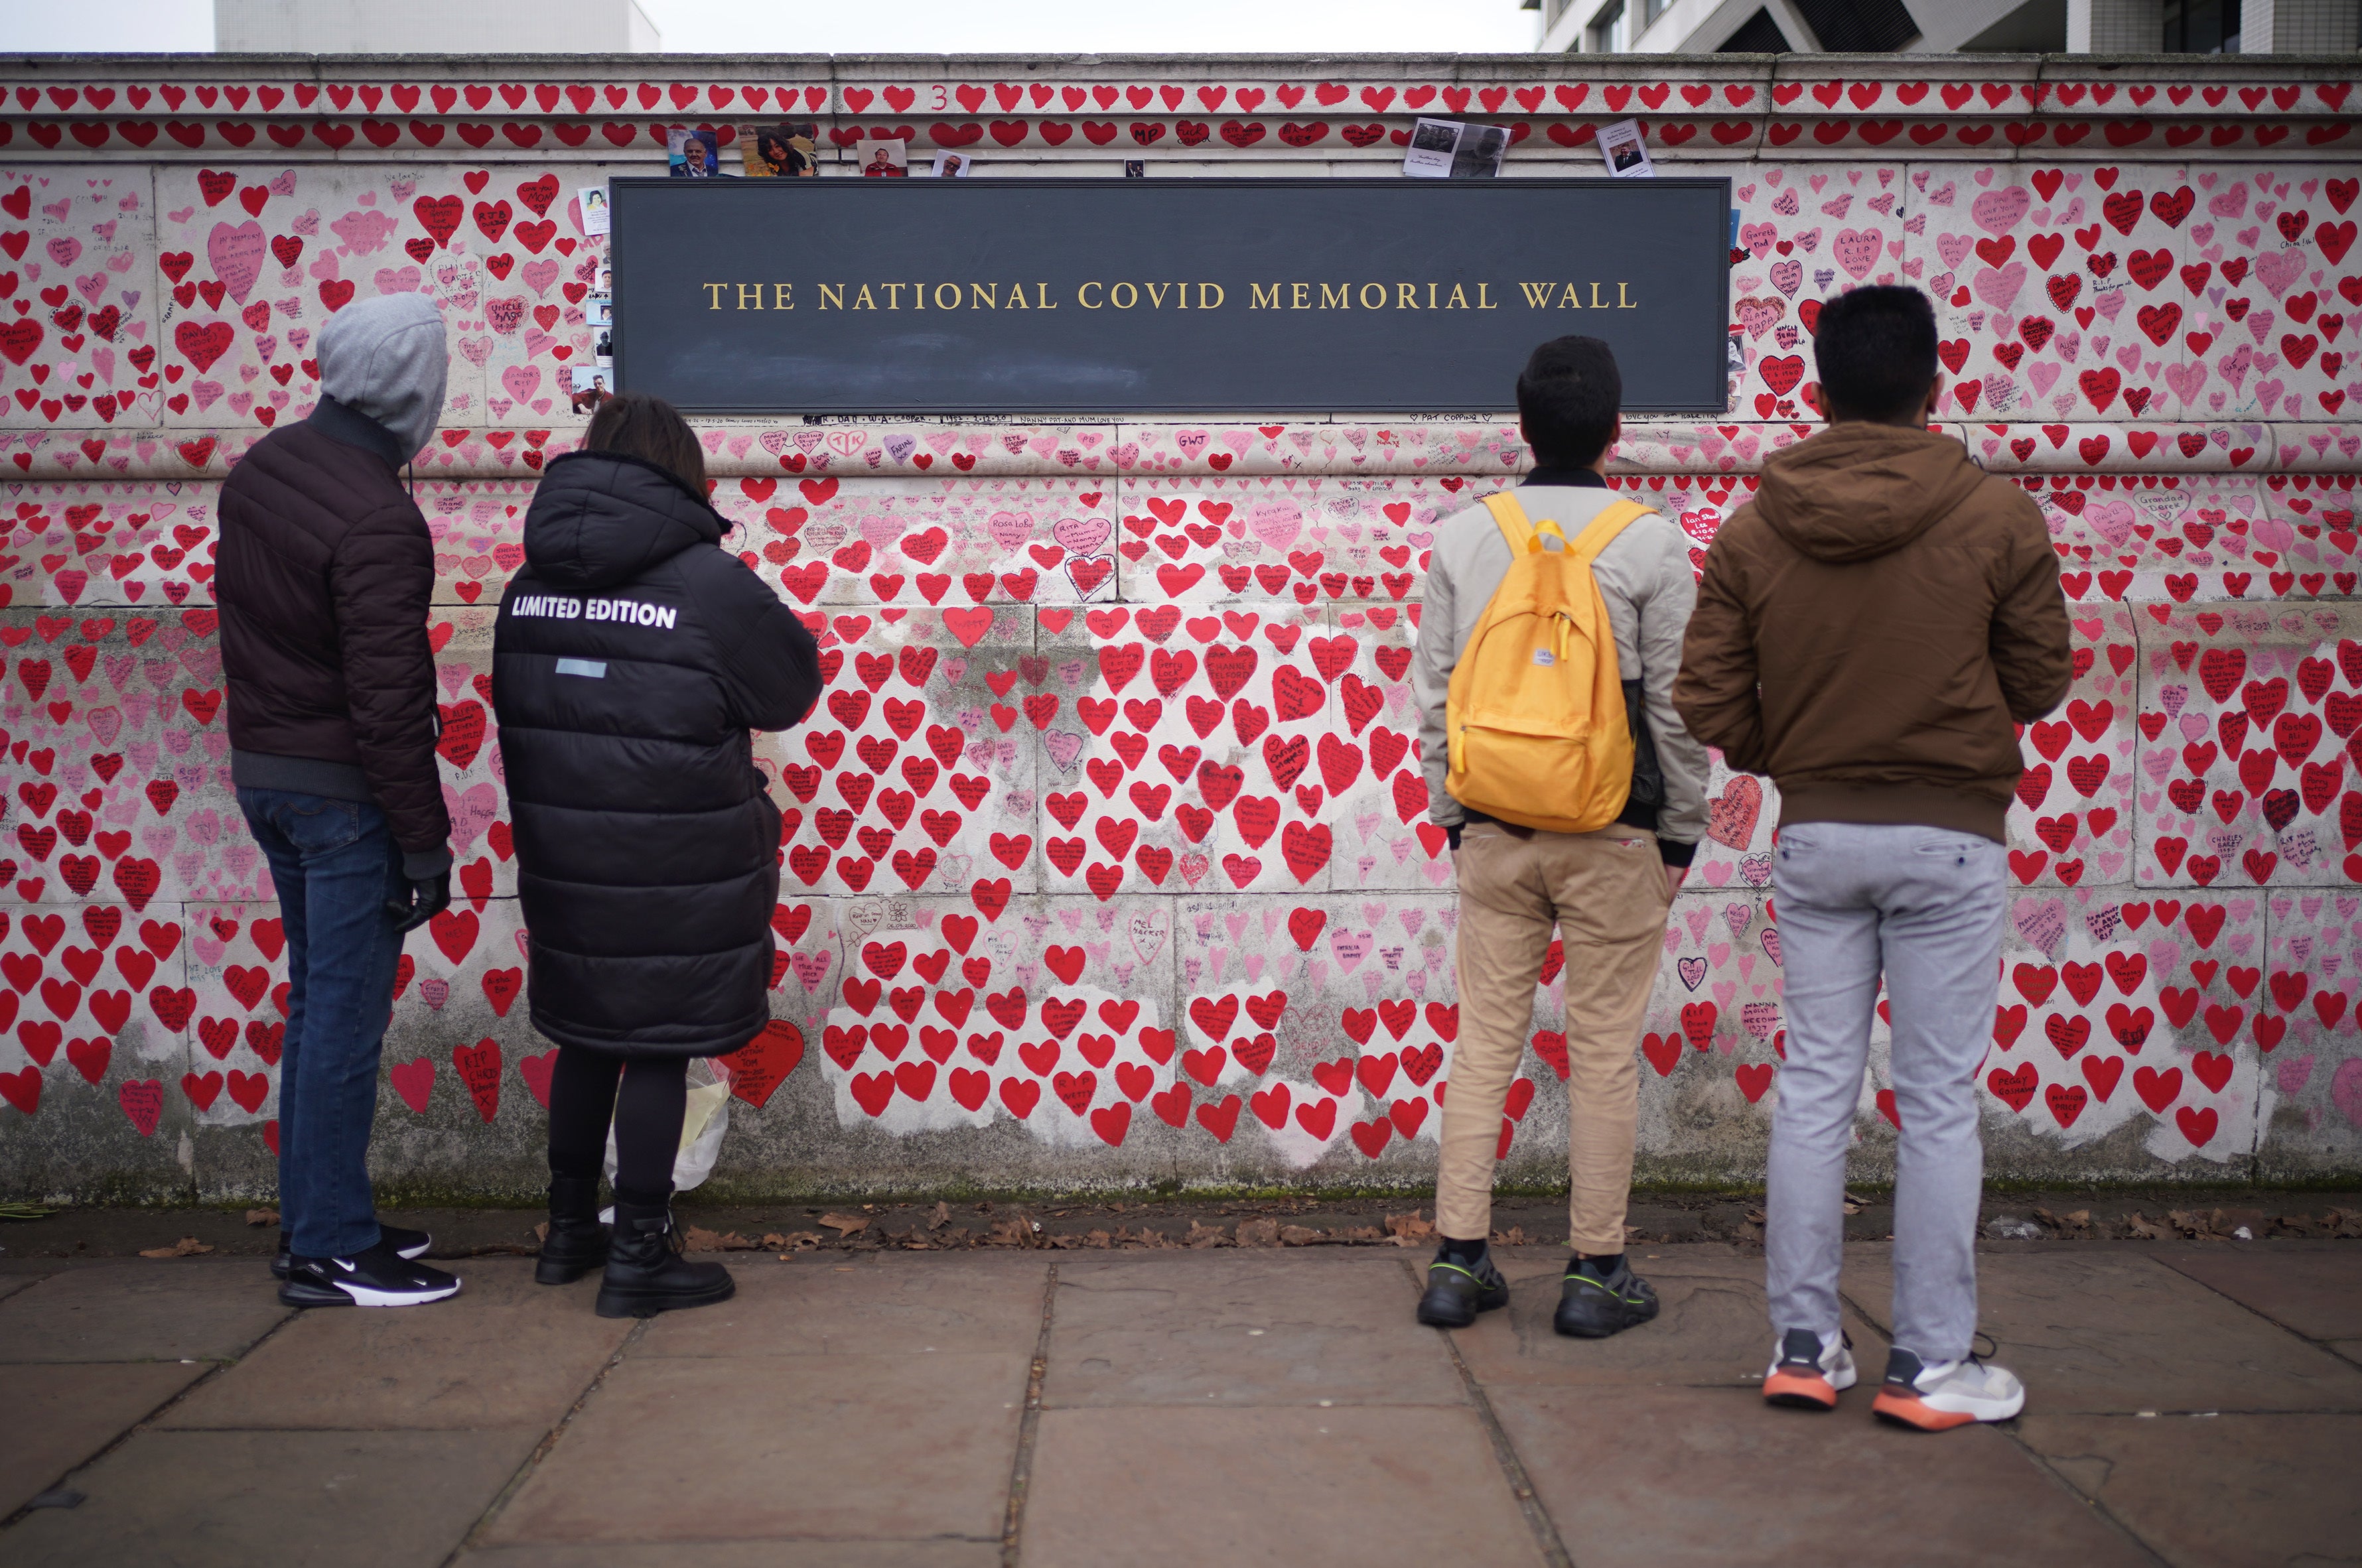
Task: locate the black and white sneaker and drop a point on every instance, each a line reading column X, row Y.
column 408, row 1243
column 1594, row 1303
column 377, row 1277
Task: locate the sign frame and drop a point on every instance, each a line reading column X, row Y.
column 624, row 192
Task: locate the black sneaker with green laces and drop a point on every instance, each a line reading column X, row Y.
column 1602, row 1297
column 1456, row 1292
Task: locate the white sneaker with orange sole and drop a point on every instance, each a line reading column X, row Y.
column 1945, row 1394
column 1810, row 1372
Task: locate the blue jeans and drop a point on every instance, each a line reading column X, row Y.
column 1923, row 905
column 336, row 865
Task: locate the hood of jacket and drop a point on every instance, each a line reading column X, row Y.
column 1855, row 491
column 601, row 519
column 386, row 359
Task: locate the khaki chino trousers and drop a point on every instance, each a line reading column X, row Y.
column 1605, row 894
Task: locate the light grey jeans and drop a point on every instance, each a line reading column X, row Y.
column 1924, row 905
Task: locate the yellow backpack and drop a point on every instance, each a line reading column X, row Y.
column 1535, row 714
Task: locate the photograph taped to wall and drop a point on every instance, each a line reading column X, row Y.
column 885, row 160
column 1626, row 154
column 1135, row 168
column 781, row 151
column 598, row 310
column 691, row 155
column 953, row 165
column 1450, row 150
column 593, row 200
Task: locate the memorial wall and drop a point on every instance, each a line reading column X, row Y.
column 1106, row 864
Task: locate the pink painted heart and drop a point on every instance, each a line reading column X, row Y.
column 1997, row 286
column 1997, row 212
column 235, row 256
column 1857, row 250
column 2345, row 1090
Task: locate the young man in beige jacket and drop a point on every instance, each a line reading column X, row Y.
column 1868, row 628
column 1608, row 893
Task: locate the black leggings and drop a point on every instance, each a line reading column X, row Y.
column 646, row 1116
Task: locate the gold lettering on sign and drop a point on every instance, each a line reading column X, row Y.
column 1086, row 289
column 1407, row 296
column 1264, row 301
column 1381, row 302
column 713, row 292
column 832, row 296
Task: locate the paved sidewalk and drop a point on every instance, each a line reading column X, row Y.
column 2190, row 1404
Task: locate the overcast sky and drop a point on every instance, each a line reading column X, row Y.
column 933, row 27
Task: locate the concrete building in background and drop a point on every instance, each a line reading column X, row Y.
column 1931, row 26
column 432, row 26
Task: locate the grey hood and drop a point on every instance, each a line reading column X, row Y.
column 386, row 358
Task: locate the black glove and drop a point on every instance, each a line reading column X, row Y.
column 1452, row 837
column 429, row 896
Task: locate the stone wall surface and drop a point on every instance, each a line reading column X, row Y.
column 1106, row 864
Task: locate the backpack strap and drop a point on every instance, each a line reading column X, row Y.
column 1511, row 519
column 1619, row 515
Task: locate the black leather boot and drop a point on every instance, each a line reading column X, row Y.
column 645, row 1271
column 576, row 1242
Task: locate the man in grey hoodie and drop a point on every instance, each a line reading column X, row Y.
column 1608, row 893
column 326, row 573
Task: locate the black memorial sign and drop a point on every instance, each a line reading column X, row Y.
column 1091, row 296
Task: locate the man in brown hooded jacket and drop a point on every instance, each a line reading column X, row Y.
column 1868, row 630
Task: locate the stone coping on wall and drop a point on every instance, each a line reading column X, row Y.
column 1351, row 108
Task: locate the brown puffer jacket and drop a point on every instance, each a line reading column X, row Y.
column 1869, row 627
column 326, row 571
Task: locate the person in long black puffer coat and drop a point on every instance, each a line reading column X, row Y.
column 632, row 658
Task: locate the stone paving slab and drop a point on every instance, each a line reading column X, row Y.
column 1714, row 1478
column 502, row 1353
column 1145, row 1487
column 287, row 1500
column 745, row 1554
column 886, row 1303
column 2315, row 1288
column 143, row 1309
column 2110, row 1329
column 1710, row 1326
column 862, row 1410
column 1244, row 1327
column 841, row 1447
column 2218, row 1492
column 58, row 1416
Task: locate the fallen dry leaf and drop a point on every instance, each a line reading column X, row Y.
column 1202, row 1236
column 1409, row 1230
column 262, row 1216
column 1258, row 1232
column 844, row 1224
column 187, row 1246
column 942, row 1217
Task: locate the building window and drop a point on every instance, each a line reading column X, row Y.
column 1606, row 34
column 2201, row 26
column 1858, row 27
column 1652, row 9
column 1760, row 34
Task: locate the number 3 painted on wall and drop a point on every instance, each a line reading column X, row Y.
column 943, row 99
